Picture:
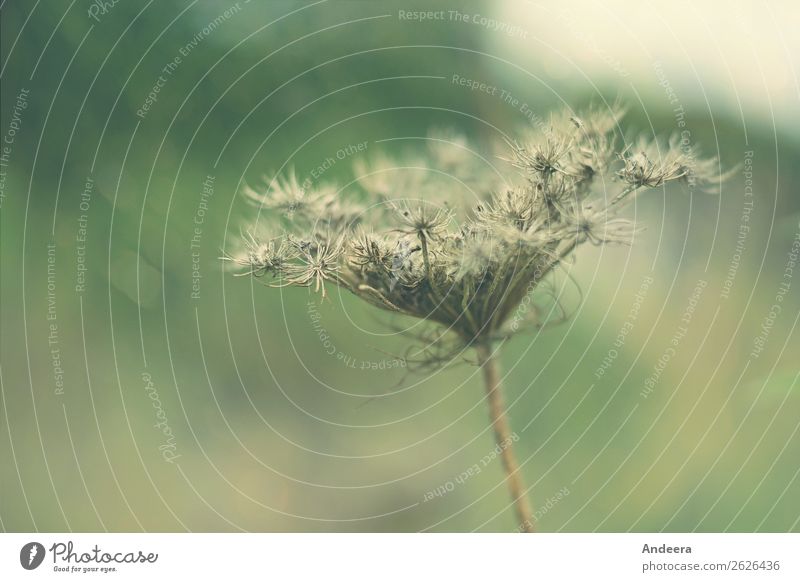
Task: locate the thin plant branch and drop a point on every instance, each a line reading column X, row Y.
column 503, row 436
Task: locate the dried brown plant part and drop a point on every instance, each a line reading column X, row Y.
column 467, row 273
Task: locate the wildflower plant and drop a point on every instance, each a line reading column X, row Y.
column 404, row 249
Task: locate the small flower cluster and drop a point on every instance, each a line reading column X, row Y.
column 467, row 271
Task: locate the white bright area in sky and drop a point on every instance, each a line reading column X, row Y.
column 739, row 54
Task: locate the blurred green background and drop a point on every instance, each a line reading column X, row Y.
column 267, row 430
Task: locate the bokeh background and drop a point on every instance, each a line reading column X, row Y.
column 266, row 431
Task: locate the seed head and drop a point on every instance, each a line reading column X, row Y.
column 370, row 250
column 544, row 158
column 422, row 219
column 411, row 256
column 263, row 258
column 318, row 263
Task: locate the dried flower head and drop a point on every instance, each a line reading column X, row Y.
column 467, row 271
column 263, row 258
column 422, row 219
column 542, row 158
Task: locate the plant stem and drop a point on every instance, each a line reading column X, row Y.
column 503, row 436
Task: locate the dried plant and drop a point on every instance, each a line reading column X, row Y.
column 401, row 247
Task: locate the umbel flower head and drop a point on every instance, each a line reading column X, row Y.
column 402, row 245
column 416, row 257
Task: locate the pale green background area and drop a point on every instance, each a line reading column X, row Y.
column 273, row 433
